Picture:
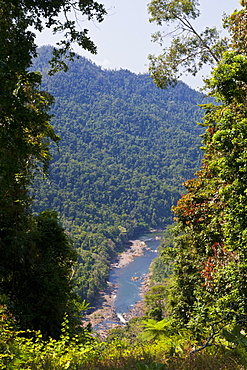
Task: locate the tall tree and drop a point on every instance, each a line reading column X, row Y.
column 190, row 49
column 210, row 236
column 25, row 132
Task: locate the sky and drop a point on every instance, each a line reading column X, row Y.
column 124, row 41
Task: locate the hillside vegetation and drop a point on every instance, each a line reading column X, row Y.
column 125, row 148
column 195, row 313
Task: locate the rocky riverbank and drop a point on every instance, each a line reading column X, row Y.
column 136, row 249
column 104, row 316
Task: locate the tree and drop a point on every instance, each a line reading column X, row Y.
column 44, row 14
column 43, row 277
column 190, row 50
column 209, row 251
column 155, row 302
column 155, row 330
column 25, row 133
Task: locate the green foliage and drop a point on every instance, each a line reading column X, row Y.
column 36, row 255
column 190, row 50
column 153, row 366
column 119, row 354
column 155, row 302
column 156, row 330
column 125, row 148
column 161, row 268
column 58, row 16
column 236, row 336
column 28, row 350
column 209, row 250
column 25, row 128
column 38, row 281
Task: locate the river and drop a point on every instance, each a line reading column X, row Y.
column 129, row 279
column 124, row 288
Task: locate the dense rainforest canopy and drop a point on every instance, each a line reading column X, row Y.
column 206, row 295
column 209, row 249
column 36, row 256
column 126, row 146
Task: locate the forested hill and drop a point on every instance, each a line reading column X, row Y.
column 126, row 147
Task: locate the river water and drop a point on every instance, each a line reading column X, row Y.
column 129, row 279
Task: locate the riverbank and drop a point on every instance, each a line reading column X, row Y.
column 136, row 250
column 103, row 317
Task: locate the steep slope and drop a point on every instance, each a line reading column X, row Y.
column 125, row 148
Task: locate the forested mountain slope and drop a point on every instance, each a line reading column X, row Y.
column 126, row 147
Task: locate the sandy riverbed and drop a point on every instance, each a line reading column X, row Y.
column 135, row 250
column 104, row 316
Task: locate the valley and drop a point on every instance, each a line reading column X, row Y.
column 126, row 147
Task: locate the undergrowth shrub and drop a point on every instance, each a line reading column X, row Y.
column 27, row 349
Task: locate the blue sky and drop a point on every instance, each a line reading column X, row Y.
column 124, row 37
